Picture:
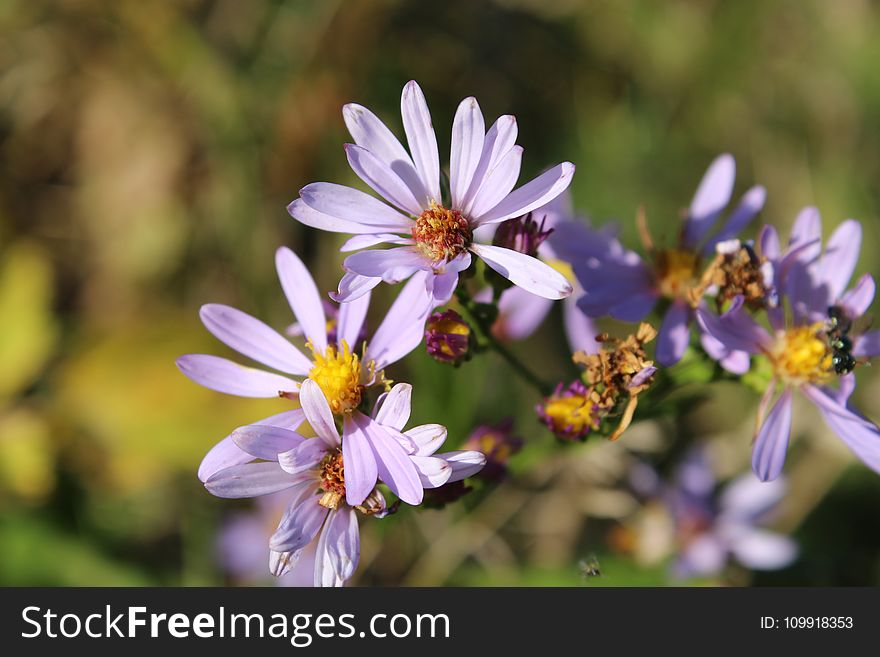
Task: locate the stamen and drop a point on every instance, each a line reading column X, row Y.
column 441, row 234
column 338, row 373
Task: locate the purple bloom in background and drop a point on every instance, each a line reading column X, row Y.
column 430, row 234
column 316, row 472
column 710, row 528
column 619, row 283
column 800, row 347
column 498, row 443
column 340, row 373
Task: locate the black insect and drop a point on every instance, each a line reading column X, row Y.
column 589, row 567
column 839, row 325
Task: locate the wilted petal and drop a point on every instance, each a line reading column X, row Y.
column 674, row 334
column 317, row 411
column 360, row 464
column 265, row 442
column 252, row 338
column 420, row 137
column 711, row 197
column 396, row 406
column 225, row 376
column 768, row 454
column 250, row 480
column 530, row 196
column 302, row 295
column 525, row 271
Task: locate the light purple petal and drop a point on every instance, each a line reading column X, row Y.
column 751, row 204
column 580, row 330
column 393, row 463
column 304, row 458
column 468, row 132
column 360, row 464
column 433, row 472
column 867, row 345
column 520, row 313
column 861, row 435
column 391, row 265
column 499, row 141
column 250, row 480
column 225, row 376
column 354, row 286
column 704, row 556
column 711, row 197
column 420, row 137
column 381, row 179
column 428, row 438
column 464, row 463
column 351, row 321
column 497, row 183
column 311, row 217
column 525, row 271
column 442, row 286
column 735, row 362
column 396, row 406
column 768, row 239
column 857, row 300
column 643, row 375
column 359, row 242
column 265, row 442
column 356, row 207
column 735, row 329
column 226, row 453
column 302, row 295
column 254, row 339
column 402, row 330
column 747, row 499
column 800, row 282
column 343, row 547
column 325, row 573
column 674, row 334
column 533, row 194
column 317, row 411
column 369, row 132
column 763, row 550
column 300, row 523
column 839, row 261
column 768, row 454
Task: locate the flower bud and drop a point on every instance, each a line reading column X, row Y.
column 498, row 443
column 448, row 337
column 522, row 234
column 570, row 413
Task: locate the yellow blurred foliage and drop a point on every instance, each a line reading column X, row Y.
column 27, row 456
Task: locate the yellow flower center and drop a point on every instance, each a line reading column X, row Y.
column 338, row 373
column 571, row 414
column 802, row 355
column 441, row 234
column 676, row 272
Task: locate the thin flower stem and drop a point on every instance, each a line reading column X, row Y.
column 485, row 327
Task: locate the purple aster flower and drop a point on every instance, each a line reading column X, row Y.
column 619, row 283
column 711, row 527
column 317, row 472
column 431, row 234
column 341, row 374
column 801, row 346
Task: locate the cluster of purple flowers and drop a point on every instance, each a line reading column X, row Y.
column 330, row 371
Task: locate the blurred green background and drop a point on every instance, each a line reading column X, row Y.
column 148, row 151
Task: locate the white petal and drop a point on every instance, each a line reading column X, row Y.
column 468, row 131
column 530, row 196
column 525, row 271
column 302, row 295
column 420, row 136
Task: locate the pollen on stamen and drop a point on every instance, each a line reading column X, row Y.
column 332, row 475
column 675, row 271
column 338, row 373
column 441, row 234
column 802, row 355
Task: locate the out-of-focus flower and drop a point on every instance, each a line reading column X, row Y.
column 498, row 443
column 314, row 470
column 710, row 526
column 805, row 346
column 432, row 234
column 342, row 376
column 617, row 282
column 570, row 412
column 448, row 338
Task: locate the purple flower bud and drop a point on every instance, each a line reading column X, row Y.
column 498, row 443
column 448, row 337
column 570, row 413
column 522, row 234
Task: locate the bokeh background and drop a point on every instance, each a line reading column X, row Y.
column 148, row 151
